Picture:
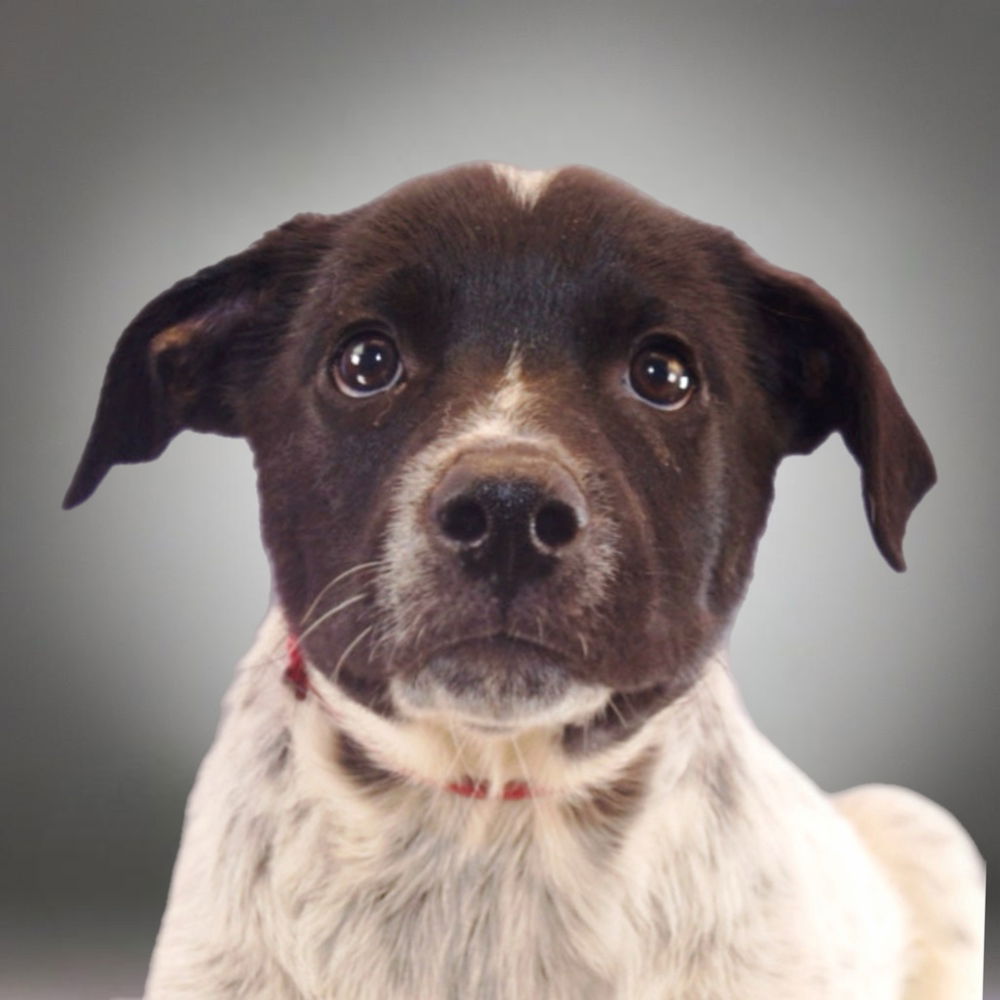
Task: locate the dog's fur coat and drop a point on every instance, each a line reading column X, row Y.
column 515, row 435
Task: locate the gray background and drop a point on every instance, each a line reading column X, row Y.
column 855, row 142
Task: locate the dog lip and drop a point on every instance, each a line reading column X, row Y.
column 490, row 728
column 499, row 642
column 495, row 677
column 497, row 646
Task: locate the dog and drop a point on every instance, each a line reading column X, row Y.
column 515, row 435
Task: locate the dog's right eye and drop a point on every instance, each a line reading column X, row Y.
column 366, row 363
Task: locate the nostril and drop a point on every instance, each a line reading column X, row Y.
column 556, row 524
column 464, row 520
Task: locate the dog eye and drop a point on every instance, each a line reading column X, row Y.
column 660, row 375
column 366, row 363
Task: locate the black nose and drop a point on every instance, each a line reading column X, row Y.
column 509, row 512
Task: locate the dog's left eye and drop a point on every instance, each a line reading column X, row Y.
column 366, row 363
column 660, row 374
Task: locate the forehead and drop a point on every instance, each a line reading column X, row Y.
column 500, row 242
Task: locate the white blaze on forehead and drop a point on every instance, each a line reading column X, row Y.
column 527, row 186
column 504, row 414
column 511, row 394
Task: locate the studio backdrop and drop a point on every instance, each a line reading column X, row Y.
column 855, row 142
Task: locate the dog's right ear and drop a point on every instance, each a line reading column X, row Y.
column 183, row 360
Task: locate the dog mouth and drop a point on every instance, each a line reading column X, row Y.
column 511, row 666
column 493, row 684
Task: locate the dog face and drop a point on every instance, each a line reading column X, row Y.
column 515, row 434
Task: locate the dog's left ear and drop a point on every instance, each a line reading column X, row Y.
column 184, row 360
column 823, row 367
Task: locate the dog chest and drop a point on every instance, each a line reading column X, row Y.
column 421, row 909
column 423, row 893
column 293, row 876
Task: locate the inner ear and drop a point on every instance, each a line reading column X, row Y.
column 187, row 366
column 175, row 366
column 173, row 338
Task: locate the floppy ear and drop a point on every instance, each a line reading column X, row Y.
column 183, row 360
column 828, row 374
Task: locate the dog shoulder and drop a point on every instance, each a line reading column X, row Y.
column 935, row 867
column 230, row 828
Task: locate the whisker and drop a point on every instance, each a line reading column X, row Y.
column 329, row 614
column 347, row 651
column 614, row 708
column 342, row 576
column 459, row 756
column 379, row 643
column 535, row 806
column 279, row 652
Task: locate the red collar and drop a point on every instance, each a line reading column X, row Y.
column 295, row 673
column 469, row 788
column 297, row 679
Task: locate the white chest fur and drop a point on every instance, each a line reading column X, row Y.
column 731, row 876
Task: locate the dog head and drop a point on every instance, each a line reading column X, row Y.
column 515, row 434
